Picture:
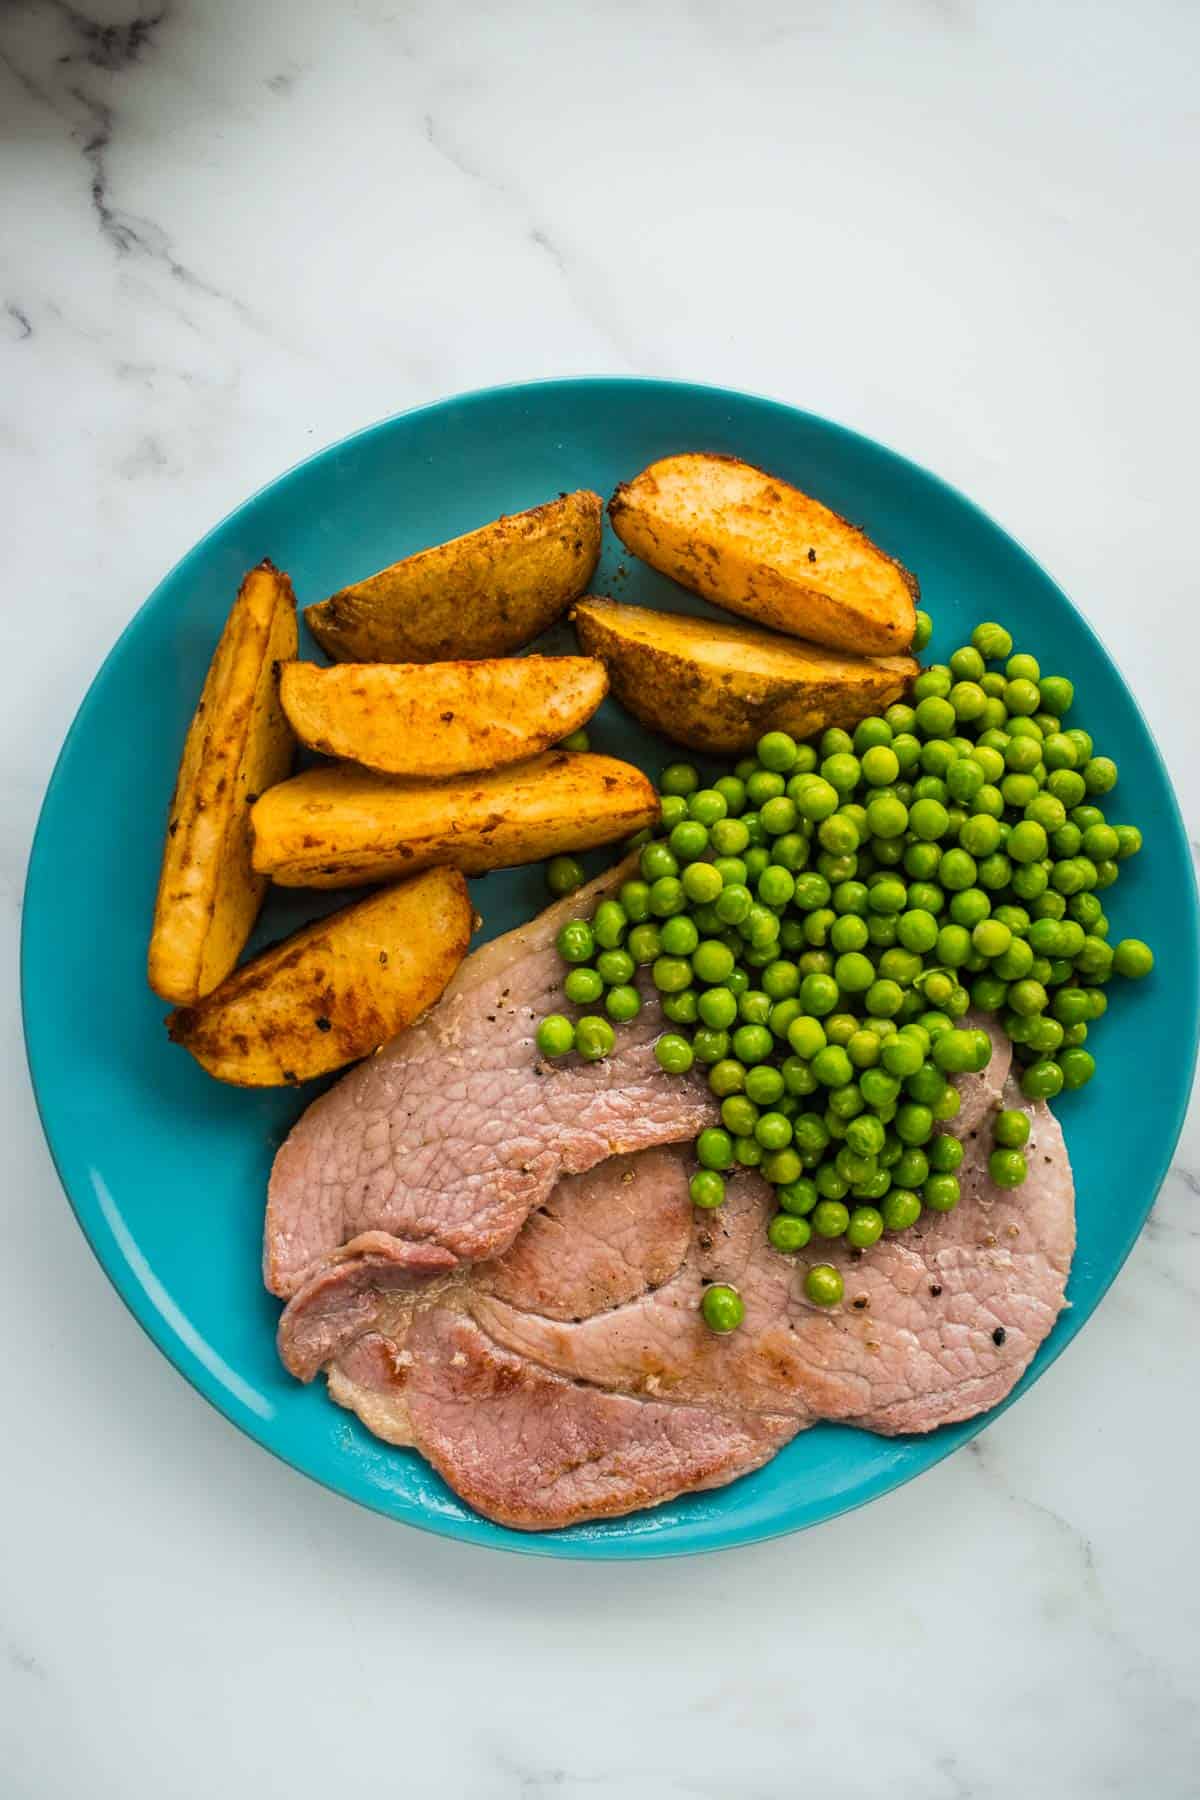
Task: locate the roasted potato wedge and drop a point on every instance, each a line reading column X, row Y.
column 480, row 595
column 718, row 687
column 336, row 990
column 238, row 744
column 439, row 719
column 756, row 545
column 341, row 826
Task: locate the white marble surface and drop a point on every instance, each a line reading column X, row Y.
column 232, row 232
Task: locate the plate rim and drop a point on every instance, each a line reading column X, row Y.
column 475, row 1531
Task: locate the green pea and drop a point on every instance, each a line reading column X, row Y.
column 777, row 751
column 644, row 943
column 707, row 1189
column 667, row 896
column 848, row 932
column 914, row 1123
column 991, row 937
column 953, row 1054
column 1057, row 694
column 658, row 859
column 752, row 1043
column 764, row 1084
column 582, row 986
column 792, row 851
column 830, row 1218
column 842, row 772
column 994, row 872
column 728, row 837
column 717, row 1008
column 884, row 999
column 1078, row 1066
column 775, row 887
column 941, row 1192
column 623, row 1003
column 968, row 906
column 575, row 942
column 788, row 1233
column 723, row 1308
column 958, row 870
column 678, row 778
column 1022, row 697
column 927, row 897
column 733, row 903
column 615, row 967
column 1007, row 1168
column 714, row 1149
column 945, row 1154
column 886, row 894
column 680, row 1009
column 733, row 792
column 832, row 1066
column 779, row 816
column 726, row 1077
column 817, row 800
column 806, row 1036
column 992, row 641
column 901, row 1209
column 1129, row 841
column 878, row 1087
column 1133, row 959
column 555, row 1035
column 738, row 1115
column 1042, row 1080
column 701, row 883
column 671, row 974
column 1099, row 774
column 594, row 1037
column 688, row 841
column 864, row 1227
column 1043, row 1034
column 706, row 805
column 564, row 874
column 674, row 1053
column 922, row 632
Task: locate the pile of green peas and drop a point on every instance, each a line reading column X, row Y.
column 817, row 923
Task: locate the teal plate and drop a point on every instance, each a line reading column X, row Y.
column 167, row 1170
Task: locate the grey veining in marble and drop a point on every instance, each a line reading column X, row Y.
column 231, row 232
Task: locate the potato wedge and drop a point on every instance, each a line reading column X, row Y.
column 238, row 744
column 756, row 545
column 439, row 719
column 480, row 595
column 718, row 687
column 341, row 826
column 334, row 991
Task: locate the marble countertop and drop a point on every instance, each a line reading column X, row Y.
column 235, row 232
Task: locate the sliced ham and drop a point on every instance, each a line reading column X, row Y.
column 573, row 1378
column 456, row 1131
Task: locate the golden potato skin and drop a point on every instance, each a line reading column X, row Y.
column 334, row 991
column 342, row 826
column 481, row 595
column 718, row 687
column 439, row 719
column 238, row 744
column 756, row 545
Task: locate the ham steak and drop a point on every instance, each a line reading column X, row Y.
column 495, row 1259
column 573, row 1378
